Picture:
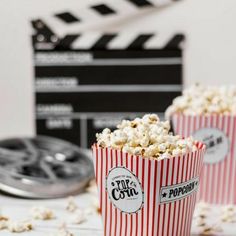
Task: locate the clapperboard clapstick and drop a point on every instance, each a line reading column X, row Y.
column 62, row 28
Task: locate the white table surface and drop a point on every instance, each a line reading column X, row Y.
column 19, row 209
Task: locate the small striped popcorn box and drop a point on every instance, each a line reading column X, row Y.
column 143, row 196
column 217, row 184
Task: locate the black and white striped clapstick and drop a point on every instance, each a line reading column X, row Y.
column 113, row 8
column 123, row 40
column 61, row 29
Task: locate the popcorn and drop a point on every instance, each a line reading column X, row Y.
column 3, row 222
column 63, row 232
column 177, row 152
column 228, row 217
column 229, row 208
column 78, row 217
column 71, row 205
column 228, row 214
column 202, row 221
column 19, row 226
column 42, row 213
column 203, row 207
column 210, row 230
column 148, row 137
column 198, row 100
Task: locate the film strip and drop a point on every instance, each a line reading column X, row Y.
column 43, row 167
column 85, row 82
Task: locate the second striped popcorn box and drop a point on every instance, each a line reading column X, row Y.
column 145, row 196
column 218, row 132
column 208, row 113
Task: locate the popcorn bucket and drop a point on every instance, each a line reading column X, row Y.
column 217, row 184
column 142, row 196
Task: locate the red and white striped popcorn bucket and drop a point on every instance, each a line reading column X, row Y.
column 218, row 179
column 143, row 197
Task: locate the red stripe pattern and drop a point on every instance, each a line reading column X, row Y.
column 157, row 180
column 217, row 178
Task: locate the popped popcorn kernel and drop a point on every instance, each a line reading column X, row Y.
column 63, row 232
column 19, row 226
column 41, row 213
column 228, row 214
column 78, row 217
column 199, row 100
column 203, row 207
column 71, row 204
column 147, row 137
column 3, row 222
column 210, row 230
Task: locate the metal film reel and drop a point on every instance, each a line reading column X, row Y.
column 43, row 167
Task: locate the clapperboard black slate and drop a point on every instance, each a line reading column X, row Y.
column 83, row 86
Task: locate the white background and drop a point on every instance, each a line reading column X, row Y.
column 210, row 55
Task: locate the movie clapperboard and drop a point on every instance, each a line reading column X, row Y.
column 85, row 82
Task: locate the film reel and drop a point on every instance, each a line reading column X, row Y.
column 43, row 167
